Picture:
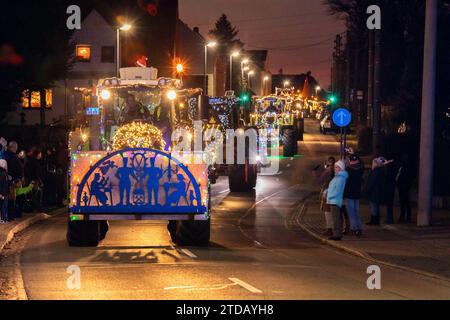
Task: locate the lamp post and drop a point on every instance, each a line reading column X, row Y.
column 266, row 79
column 250, row 73
column 318, row 88
column 243, row 67
column 125, row 27
column 235, row 55
column 205, row 79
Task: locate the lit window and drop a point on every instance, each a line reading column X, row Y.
column 83, row 53
column 33, row 100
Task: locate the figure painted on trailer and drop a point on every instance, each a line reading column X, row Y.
column 123, row 174
column 180, row 191
column 154, row 175
column 99, row 189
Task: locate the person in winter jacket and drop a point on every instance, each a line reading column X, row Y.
column 352, row 193
column 324, row 181
column 4, row 190
column 335, row 198
column 373, row 191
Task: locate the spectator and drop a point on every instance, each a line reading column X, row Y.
column 404, row 180
column 3, row 144
column 373, row 191
column 33, row 173
column 352, row 193
column 324, row 180
column 4, row 191
column 335, row 197
column 15, row 170
column 388, row 189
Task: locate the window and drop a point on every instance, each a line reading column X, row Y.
column 33, row 100
column 83, row 53
column 108, row 54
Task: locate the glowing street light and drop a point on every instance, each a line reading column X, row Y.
column 250, row 73
column 318, row 88
column 105, row 94
column 180, row 68
column 210, row 44
column 124, row 27
column 287, row 83
column 234, row 54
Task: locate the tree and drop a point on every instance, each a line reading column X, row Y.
column 225, row 34
column 35, row 48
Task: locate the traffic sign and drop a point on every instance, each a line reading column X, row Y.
column 342, row 117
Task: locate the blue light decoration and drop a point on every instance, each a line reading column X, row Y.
column 136, row 181
column 92, row 111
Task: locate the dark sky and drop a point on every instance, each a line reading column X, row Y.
column 299, row 33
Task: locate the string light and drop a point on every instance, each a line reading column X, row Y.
column 138, row 135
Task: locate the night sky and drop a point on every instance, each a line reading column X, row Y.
column 299, row 33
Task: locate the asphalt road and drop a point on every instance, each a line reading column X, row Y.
column 257, row 252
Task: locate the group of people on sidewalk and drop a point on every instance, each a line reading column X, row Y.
column 343, row 186
column 28, row 181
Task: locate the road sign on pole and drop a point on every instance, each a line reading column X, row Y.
column 342, row 117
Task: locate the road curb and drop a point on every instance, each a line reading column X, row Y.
column 339, row 246
column 5, row 239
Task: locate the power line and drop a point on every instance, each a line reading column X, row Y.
column 266, row 18
column 289, row 48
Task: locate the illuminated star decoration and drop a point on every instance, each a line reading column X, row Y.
column 138, row 135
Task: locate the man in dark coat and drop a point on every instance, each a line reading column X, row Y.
column 352, row 193
column 373, row 191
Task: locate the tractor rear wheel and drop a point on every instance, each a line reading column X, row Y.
column 242, row 178
column 290, row 148
column 190, row 232
column 83, row 233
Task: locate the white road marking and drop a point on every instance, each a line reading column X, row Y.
column 224, row 191
column 245, row 285
column 181, row 287
column 189, row 253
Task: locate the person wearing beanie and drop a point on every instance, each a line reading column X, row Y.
column 335, row 198
column 4, row 190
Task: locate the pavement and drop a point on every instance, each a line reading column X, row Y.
column 10, row 229
column 405, row 246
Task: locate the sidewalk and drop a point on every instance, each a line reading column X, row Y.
column 421, row 250
column 10, row 229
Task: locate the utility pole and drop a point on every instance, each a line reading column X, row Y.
column 347, row 69
column 376, row 147
column 427, row 122
column 370, row 80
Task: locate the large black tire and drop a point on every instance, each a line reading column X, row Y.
column 239, row 181
column 190, row 233
column 103, row 229
column 290, row 148
column 83, row 233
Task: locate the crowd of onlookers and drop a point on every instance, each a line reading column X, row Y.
column 344, row 183
column 31, row 180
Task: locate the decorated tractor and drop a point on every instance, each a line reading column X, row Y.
column 279, row 112
column 149, row 150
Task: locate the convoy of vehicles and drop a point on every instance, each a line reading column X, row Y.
column 124, row 165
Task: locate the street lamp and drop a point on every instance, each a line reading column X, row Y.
column 210, row 44
column 180, row 68
column 287, row 83
column 243, row 62
column 250, row 73
column 318, row 88
column 266, row 79
column 125, row 27
column 235, row 54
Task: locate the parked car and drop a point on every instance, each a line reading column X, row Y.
column 326, row 124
